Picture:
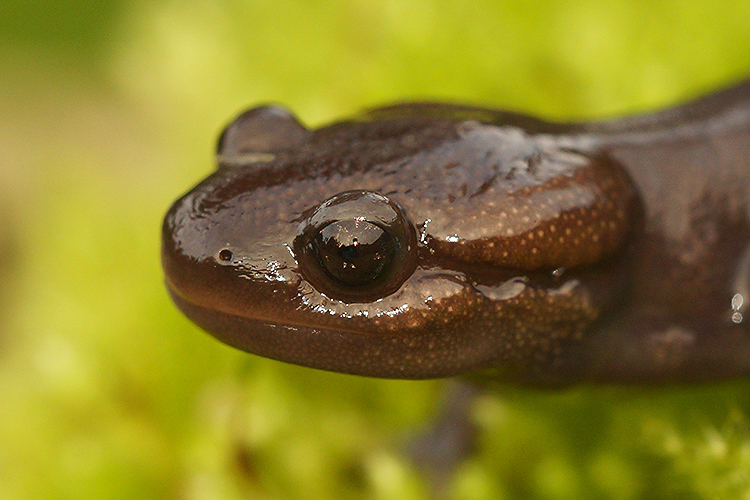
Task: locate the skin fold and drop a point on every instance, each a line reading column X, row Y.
column 431, row 240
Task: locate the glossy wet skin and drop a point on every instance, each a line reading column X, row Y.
column 428, row 240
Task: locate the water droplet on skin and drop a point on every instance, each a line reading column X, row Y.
column 741, row 285
column 423, row 237
column 737, row 301
column 558, row 272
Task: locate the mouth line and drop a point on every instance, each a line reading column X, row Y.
column 268, row 321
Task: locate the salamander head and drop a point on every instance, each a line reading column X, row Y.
column 413, row 242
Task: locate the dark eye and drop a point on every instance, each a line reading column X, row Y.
column 354, row 252
column 356, row 246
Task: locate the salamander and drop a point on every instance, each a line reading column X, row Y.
column 427, row 240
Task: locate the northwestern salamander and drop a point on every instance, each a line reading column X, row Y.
column 431, row 240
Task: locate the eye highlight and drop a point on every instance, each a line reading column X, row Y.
column 356, row 246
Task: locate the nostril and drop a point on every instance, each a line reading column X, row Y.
column 226, row 255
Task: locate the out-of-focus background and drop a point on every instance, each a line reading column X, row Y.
column 110, row 110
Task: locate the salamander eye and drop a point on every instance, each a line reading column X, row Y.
column 354, row 252
column 356, row 246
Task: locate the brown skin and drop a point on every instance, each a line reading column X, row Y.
column 430, row 240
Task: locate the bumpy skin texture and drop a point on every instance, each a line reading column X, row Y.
column 530, row 252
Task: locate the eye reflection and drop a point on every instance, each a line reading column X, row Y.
column 356, row 246
column 354, row 252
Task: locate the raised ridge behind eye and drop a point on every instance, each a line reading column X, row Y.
column 562, row 208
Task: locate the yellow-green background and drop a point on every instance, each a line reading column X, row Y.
column 110, row 110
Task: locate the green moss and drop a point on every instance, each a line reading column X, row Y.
column 107, row 392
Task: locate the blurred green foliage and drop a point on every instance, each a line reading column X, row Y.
column 108, row 111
